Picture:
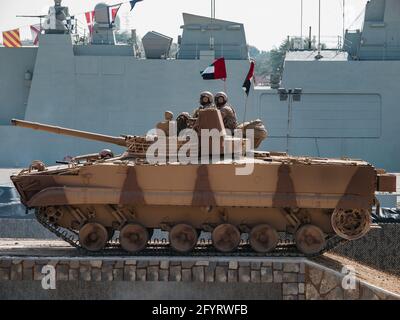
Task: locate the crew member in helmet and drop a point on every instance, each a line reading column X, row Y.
column 227, row 111
column 206, row 101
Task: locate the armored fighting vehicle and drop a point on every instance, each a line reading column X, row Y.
column 300, row 205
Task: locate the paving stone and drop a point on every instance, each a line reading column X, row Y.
column 233, row 265
column 202, row 263
column 329, row 282
column 130, row 273
column 291, row 297
column 96, row 274
column 6, row 263
column 96, row 263
column 290, row 289
column 141, row 274
column 277, row 265
column 28, row 264
column 187, row 264
column 175, row 273
column 186, row 275
column 255, row 265
column 220, row 274
column 142, row 264
column 266, row 264
column 291, row 267
column 62, row 272
column 198, row 274
column 278, row 276
column 37, row 272
column 301, row 278
column 107, row 273
column 130, row 262
column 152, row 273
column 108, row 263
column 290, row 277
column 84, row 273
column 4, row 274
column 335, row 294
column 118, row 274
column 223, row 264
column 233, row 275
column 16, row 272
column 315, row 275
column 244, row 264
column 209, row 273
column 119, row 264
column 175, row 263
column 368, row 294
column 27, row 273
column 153, row 263
column 255, row 276
column 312, row 292
column 85, row 262
column 244, row 274
column 73, row 275
column 302, row 268
column 164, row 265
column 164, row 275
column 301, row 288
column 74, row 264
column 16, row 261
column 266, row 275
column 302, row 297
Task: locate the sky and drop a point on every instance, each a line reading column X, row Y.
column 267, row 22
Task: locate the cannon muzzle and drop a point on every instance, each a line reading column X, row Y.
column 70, row 132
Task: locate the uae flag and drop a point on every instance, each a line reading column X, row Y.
column 217, row 70
column 133, row 3
column 249, row 78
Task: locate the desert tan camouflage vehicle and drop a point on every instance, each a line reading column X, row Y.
column 287, row 204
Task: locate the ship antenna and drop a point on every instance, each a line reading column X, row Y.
column 344, row 20
column 301, row 21
column 212, row 21
column 319, row 56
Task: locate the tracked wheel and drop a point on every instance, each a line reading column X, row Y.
column 183, row 238
column 310, row 239
column 226, row 237
column 263, row 238
column 93, row 236
column 133, row 238
column 351, row 224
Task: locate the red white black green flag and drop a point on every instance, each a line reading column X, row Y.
column 249, row 78
column 217, row 70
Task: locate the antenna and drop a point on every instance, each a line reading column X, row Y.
column 301, row 20
column 344, row 19
column 212, row 21
column 319, row 31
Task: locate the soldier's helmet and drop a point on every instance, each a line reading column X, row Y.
column 221, row 95
column 57, row 2
column 206, row 98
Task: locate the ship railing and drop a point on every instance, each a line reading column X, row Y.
column 297, row 43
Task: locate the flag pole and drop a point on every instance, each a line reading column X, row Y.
column 245, row 108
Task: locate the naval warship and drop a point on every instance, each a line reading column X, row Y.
column 339, row 103
column 346, row 106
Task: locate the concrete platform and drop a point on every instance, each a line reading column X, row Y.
column 78, row 277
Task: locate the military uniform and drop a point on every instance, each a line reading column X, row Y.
column 227, row 111
column 206, row 101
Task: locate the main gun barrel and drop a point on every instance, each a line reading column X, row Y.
column 69, row 132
